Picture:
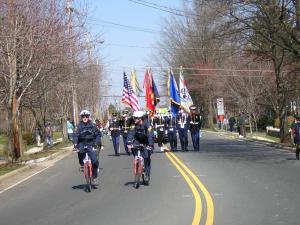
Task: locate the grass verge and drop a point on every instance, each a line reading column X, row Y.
column 6, row 168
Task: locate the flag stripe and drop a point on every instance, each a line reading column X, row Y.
column 129, row 97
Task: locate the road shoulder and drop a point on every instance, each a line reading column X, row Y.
column 31, row 168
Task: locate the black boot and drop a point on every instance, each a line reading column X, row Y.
column 136, row 185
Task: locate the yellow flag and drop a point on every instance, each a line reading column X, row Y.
column 134, row 83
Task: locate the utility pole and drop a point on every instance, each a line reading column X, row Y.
column 70, row 10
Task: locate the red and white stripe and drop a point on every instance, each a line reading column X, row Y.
column 129, row 97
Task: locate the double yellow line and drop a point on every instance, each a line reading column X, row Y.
column 191, row 178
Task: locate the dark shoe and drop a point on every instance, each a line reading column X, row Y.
column 81, row 168
column 117, row 154
column 136, row 185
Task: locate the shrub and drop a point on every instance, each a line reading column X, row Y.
column 28, row 138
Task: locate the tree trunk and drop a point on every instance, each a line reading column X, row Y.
column 13, row 132
column 250, row 124
column 210, row 114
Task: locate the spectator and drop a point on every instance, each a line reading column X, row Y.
column 37, row 135
column 226, row 121
column 296, row 134
column 70, row 129
column 49, row 134
column 231, row 122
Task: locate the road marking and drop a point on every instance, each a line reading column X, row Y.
column 19, row 182
column 208, row 198
column 198, row 203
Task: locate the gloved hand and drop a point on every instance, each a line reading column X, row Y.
column 100, row 147
column 150, row 148
column 75, row 149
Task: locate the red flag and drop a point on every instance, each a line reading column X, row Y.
column 149, row 93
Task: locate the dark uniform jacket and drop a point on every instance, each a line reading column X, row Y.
column 126, row 123
column 87, row 135
column 159, row 123
column 114, row 127
column 194, row 122
column 182, row 121
column 141, row 134
column 170, row 122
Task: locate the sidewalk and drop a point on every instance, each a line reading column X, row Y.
column 33, row 150
column 40, row 147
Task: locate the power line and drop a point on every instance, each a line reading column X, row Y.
column 163, row 8
column 185, row 48
column 188, row 68
column 155, row 7
column 122, row 26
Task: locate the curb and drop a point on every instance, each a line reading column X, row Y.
column 33, row 163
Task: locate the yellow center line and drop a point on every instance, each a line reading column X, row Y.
column 198, row 203
column 208, row 198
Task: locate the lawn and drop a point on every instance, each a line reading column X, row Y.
column 6, row 168
column 3, row 140
column 57, row 135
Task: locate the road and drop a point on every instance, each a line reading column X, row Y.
column 248, row 182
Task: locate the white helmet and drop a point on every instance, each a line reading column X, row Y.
column 85, row 113
column 138, row 114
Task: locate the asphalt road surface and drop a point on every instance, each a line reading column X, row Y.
column 229, row 182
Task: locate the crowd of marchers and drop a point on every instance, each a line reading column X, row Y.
column 166, row 128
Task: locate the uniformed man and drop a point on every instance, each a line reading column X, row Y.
column 142, row 133
column 126, row 123
column 182, row 126
column 195, row 126
column 170, row 121
column 159, row 125
column 114, row 126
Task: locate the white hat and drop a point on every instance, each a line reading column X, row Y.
column 138, row 114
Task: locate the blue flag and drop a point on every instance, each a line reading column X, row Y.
column 173, row 94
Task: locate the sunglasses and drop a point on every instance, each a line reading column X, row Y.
column 85, row 116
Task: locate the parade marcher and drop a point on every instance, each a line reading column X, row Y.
column 171, row 125
column 70, row 129
column 182, row 126
column 159, row 125
column 296, row 134
column 87, row 136
column 195, row 126
column 141, row 133
column 114, row 126
column 126, row 123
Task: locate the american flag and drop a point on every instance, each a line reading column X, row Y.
column 129, row 97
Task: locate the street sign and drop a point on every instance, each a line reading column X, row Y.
column 220, row 106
